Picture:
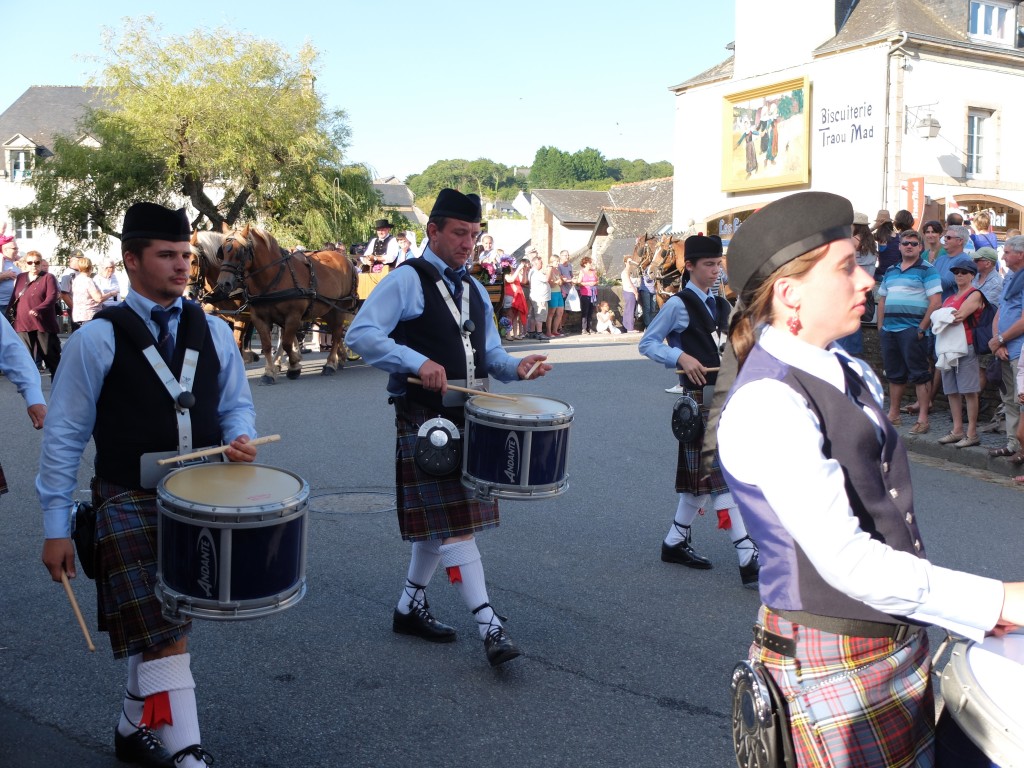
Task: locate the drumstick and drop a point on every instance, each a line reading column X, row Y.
column 706, row 370
column 74, row 607
column 533, row 369
column 217, row 450
column 465, row 390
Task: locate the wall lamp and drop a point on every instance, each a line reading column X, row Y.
column 927, row 127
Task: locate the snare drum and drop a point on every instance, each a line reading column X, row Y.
column 516, row 450
column 231, row 541
column 981, row 686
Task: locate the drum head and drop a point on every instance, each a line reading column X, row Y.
column 524, row 409
column 232, row 485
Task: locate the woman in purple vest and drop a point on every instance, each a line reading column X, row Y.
column 823, row 483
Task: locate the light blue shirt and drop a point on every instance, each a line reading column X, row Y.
column 399, row 297
column 84, row 364
column 1011, row 309
column 17, row 365
column 672, row 317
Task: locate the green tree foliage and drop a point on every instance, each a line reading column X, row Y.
column 227, row 121
column 587, row 169
column 552, row 169
column 486, row 178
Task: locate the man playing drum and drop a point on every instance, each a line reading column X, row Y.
column 682, row 337
column 110, row 387
column 430, row 320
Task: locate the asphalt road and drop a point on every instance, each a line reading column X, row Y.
column 627, row 659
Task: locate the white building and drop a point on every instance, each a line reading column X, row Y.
column 892, row 103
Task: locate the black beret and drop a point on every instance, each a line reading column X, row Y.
column 783, row 230
column 154, row 222
column 382, row 223
column 700, row 247
column 452, row 204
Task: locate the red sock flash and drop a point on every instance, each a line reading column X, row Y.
column 724, row 521
column 156, row 711
column 454, row 574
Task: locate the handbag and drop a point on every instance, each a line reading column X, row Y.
column 572, row 300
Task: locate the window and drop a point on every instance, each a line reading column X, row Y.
column 89, row 230
column 977, row 124
column 993, row 22
column 21, row 164
column 23, row 230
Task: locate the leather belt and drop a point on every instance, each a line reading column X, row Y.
column 784, row 646
column 851, row 627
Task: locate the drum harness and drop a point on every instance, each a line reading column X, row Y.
column 438, row 450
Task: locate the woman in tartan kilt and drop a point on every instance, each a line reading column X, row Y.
column 823, row 483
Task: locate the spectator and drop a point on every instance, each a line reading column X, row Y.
column 867, row 248
column 514, row 300
column 990, row 283
column 1008, row 340
column 65, row 281
column 936, row 255
column 888, row 251
column 85, row 294
column 382, row 250
column 556, row 301
column 107, row 282
column 540, row 294
column 630, row 281
column 487, row 253
column 955, row 219
column 606, row 320
column 404, row 248
column 587, row 282
column 903, row 323
column 956, row 236
column 983, row 234
column 8, row 271
column 961, row 381
column 36, row 294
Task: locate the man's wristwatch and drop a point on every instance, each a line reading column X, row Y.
column 999, row 338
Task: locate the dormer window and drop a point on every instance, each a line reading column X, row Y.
column 993, row 21
column 20, row 163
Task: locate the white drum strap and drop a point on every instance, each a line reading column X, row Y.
column 176, row 388
column 462, row 320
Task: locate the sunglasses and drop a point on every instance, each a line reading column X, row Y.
column 30, row 263
column 910, row 242
column 961, row 272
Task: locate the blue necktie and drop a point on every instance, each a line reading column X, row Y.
column 712, row 307
column 164, row 340
column 456, row 278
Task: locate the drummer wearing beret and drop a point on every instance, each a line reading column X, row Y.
column 107, row 388
column 682, row 337
column 823, row 482
column 429, row 320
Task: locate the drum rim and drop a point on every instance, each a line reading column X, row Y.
column 967, row 711
column 252, row 608
column 254, row 511
column 477, row 410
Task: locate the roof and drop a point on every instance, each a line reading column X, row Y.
column 45, row 111
column 876, row 20
column 721, row 71
column 396, row 195
column 573, row 206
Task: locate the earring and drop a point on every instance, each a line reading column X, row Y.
column 794, row 323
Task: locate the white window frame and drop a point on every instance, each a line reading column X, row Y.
column 20, row 162
column 979, row 123
column 89, row 229
column 983, row 22
column 22, row 229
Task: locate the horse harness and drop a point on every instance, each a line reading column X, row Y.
column 238, row 269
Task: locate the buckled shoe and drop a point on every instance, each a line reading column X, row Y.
column 420, row 623
column 684, row 554
column 142, row 748
column 499, row 647
column 750, row 573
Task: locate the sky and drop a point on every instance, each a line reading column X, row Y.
column 424, row 82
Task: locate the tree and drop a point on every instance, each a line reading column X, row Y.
column 588, row 165
column 231, row 123
column 552, row 169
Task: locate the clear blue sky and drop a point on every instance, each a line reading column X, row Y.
column 422, row 83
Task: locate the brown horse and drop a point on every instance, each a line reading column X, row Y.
column 668, row 266
column 287, row 290
column 203, row 282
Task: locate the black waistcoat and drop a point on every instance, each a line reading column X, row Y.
column 135, row 413
column 436, row 334
column 696, row 340
column 380, row 246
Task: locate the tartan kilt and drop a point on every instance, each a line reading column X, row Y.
column 688, row 462
column 434, row 507
column 854, row 702
column 126, row 571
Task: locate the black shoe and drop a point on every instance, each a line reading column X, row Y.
column 683, row 554
column 499, row 647
column 195, row 751
column 420, row 623
column 142, row 748
column 750, row 573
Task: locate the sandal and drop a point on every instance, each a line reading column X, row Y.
column 952, row 437
column 912, row 408
column 896, row 422
column 920, row 429
column 998, row 452
column 1017, row 458
column 967, row 442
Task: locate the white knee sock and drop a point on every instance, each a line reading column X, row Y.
column 425, row 557
column 729, row 518
column 686, row 511
column 466, row 572
column 131, row 709
column 173, row 675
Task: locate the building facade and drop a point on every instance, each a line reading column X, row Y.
column 891, row 103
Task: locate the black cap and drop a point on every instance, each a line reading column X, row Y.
column 783, row 230
column 700, row 247
column 452, row 204
column 382, row 223
column 154, row 222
